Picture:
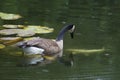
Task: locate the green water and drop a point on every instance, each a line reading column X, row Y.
column 97, row 26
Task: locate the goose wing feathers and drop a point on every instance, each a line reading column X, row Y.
column 50, row 47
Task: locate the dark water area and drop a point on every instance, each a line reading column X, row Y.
column 97, row 27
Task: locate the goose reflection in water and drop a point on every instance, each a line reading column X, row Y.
column 47, row 49
column 34, row 60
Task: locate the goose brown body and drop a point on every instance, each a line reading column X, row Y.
column 50, row 47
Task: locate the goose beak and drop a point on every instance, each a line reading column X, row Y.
column 72, row 35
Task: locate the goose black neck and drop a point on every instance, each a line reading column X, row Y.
column 62, row 32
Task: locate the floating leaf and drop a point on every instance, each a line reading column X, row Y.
column 19, row 32
column 13, row 26
column 39, row 29
column 8, row 16
column 14, row 41
column 24, row 33
column 49, row 57
column 8, row 38
column 2, row 46
column 10, row 31
column 27, row 31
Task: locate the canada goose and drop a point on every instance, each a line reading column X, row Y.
column 47, row 47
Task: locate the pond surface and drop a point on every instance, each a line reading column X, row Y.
column 97, row 27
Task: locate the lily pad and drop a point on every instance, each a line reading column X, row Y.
column 2, row 46
column 10, row 40
column 13, row 26
column 19, row 32
column 39, row 29
column 27, row 31
column 10, row 31
column 9, row 16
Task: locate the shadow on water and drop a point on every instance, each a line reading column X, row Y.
column 97, row 27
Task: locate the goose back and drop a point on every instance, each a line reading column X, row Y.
column 50, row 47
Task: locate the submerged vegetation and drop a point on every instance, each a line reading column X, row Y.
column 86, row 51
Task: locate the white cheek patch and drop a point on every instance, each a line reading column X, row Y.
column 72, row 30
column 33, row 50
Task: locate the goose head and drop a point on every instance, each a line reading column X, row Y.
column 72, row 30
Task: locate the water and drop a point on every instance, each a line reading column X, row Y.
column 97, row 27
